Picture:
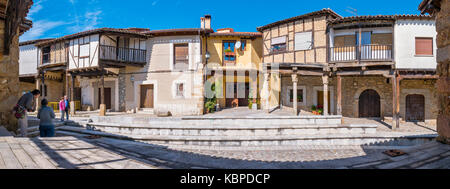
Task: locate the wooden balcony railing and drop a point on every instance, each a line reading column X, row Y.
column 365, row 53
column 122, row 54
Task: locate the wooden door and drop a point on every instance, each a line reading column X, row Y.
column 320, row 100
column 245, row 90
column 415, row 108
column 107, row 97
column 147, row 98
column 369, row 104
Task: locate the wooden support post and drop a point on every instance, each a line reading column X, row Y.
column 325, row 95
column 395, row 102
column 38, row 103
column 72, row 96
column 102, row 96
column 43, row 85
column 294, row 96
column 339, row 95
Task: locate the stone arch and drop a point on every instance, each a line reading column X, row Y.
column 358, row 94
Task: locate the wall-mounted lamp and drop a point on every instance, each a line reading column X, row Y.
column 207, row 56
column 132, row 78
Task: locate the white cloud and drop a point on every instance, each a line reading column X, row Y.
column 87, row 22
column 39, row 28
column 37, row 6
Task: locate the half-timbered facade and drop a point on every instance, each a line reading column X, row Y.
column 92, row 61
column 295, row 63
column 372, row 66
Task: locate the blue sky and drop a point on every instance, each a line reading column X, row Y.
column 56, row 18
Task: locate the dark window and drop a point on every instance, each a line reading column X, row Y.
column 180, row 89
column 243, row 45
column 424, row 46
column 181, row 57
column 46, row 55
column 299, row 95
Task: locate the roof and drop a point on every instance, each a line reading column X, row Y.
column 311, row 14
column 26, row 24
column 429, row 6
column 138, row 32
column 179, row 31
column 379, row 18
column 239, row 34
column 33, row 41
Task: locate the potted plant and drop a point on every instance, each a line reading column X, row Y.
column 229, row 52
column 211, row 103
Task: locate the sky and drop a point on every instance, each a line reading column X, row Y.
column 56, row 18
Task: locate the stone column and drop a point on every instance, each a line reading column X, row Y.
column 267, row 91
column 325, row 95
column 339, row 95
column 443, row 70
column 254, row 89
column 294, row 95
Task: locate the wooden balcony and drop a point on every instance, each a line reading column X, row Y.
column 123, row 56
column 369, row 52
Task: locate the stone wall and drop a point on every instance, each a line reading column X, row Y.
column 421, row 87
column 9, row 80
column 443, row 69
column 352, row 87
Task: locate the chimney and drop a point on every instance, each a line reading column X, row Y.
column 206, row 22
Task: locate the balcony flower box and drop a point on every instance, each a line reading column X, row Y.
column 230, row 53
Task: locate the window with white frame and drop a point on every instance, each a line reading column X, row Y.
column 303, row 41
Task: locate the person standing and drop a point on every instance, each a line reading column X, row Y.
column 62, row 108
column 66, row 100
column 24, row 105
column 46, row 116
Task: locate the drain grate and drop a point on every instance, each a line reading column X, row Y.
column 394, row 153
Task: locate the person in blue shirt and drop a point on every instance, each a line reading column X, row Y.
column 66, row 100
column 46, row 116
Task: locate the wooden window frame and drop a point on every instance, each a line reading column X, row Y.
column 175, row 45
column 424, row 55
column 224, row 53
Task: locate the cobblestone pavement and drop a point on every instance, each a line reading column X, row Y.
column 76, row 151
column 61, row 152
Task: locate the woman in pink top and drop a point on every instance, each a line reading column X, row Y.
column 62, row 107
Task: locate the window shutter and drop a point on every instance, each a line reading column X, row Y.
column 303, row 41
column 279, row 40
column 424, row 46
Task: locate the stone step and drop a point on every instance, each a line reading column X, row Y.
column 217, row 121
column 229, row 130
column 391, row 139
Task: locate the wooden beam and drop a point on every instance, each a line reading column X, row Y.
column 368, row 72
column 339, row 95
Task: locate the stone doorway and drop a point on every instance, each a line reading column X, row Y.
column 369, row 104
